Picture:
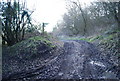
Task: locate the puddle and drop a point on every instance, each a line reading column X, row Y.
column 97, row 63
column 60, row 74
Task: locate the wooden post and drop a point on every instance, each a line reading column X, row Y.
column 43, row 28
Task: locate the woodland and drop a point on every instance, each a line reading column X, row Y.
column 85, row 44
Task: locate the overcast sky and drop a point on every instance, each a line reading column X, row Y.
column 49, row 11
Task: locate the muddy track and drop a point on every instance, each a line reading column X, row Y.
column 79, row 60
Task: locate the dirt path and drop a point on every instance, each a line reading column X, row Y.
column 79, row 60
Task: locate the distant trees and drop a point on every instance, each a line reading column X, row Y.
column 113, row 9
column 83, row 15
column 87, row 20
column 75, row 21
column 15, row 19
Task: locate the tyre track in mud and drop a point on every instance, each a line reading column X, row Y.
column 80, row 60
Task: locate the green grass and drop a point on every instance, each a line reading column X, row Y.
column 31, row 42
column 88, row 39
column 30, row 45
column 102, row 38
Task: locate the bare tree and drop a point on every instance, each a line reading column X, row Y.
column 82, row 13
column 15, row 19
